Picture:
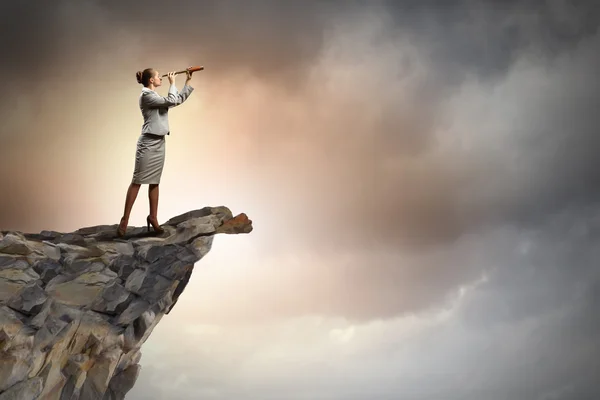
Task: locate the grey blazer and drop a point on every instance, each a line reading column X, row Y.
column 155, row 108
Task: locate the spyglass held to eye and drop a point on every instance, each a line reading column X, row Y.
column 191, row 69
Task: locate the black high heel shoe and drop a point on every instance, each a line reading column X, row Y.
column 155, row 225
column 121, row 231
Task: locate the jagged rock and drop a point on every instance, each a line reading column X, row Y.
column 10, row 325
column 75, row 308
column 81, row 290
column 12, row 280
column 113, row 297
column 238, row 224
column 28, row 389
column 13, row 262
column 124, row 265
column 122, row 383
column 14, row 244
column 200, row 246
column 47, row 269
column 29, row 300
column 134, row 310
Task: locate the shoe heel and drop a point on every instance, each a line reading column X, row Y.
column 121, row 232
column 156, row 228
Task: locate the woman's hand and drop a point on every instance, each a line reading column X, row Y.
column 189, row 76
column 171, row 76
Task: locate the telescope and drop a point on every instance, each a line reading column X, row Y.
column 191, row 69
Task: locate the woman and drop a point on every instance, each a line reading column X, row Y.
column 150, row 152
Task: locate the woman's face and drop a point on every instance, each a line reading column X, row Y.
column 156, row 80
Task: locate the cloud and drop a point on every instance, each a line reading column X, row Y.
column 523, row 330
column 509, row 153
column 422, row 178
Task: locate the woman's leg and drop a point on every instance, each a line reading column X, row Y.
column 153, row 197
column 132, row 193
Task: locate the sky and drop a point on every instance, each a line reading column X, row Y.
column 422, row 178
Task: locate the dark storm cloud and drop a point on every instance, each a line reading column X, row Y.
column 279, row 40
column 487, row 37
column 538, row 306
column 271, row 40
column 557, row 142
column 267, row 37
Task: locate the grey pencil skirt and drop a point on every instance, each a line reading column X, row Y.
column 149, row 159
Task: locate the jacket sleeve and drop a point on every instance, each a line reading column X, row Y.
column 174, row 98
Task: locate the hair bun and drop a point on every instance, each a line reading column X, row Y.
column 138, row 76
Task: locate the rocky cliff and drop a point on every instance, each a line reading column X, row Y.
column 76, row 307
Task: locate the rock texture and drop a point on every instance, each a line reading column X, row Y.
column 75, row 308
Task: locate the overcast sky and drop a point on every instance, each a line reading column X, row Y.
column 422, row 177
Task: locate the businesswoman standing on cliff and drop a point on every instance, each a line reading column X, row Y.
column 150, row 152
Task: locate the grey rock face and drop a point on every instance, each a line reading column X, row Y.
column 75, row 308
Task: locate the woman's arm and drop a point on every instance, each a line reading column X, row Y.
column 154, row 100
